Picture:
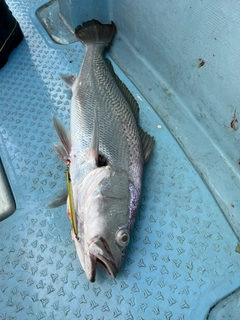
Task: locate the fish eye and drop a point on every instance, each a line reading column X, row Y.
column 122, row 237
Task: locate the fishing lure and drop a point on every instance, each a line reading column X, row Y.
column 71, row 203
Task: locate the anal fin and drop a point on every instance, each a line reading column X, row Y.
column 68, row 79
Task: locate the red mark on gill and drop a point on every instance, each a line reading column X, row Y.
column 201, row 63
column 234, row 123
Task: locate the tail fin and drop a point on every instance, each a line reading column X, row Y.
column 95, row 32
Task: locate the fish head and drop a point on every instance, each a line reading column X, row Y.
column 106, row 242
column 104, row 198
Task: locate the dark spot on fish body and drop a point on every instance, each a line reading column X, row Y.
column 102, row 161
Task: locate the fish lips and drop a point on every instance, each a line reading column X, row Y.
column 99, row 252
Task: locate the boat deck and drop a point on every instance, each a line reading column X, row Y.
column 181, row 259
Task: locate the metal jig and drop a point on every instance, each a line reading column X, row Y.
column 71, row 203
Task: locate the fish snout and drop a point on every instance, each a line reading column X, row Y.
column 100, row 253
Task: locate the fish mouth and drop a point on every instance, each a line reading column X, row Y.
column 100, row 253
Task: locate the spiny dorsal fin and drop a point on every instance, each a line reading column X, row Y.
column 68, row 79
column 147, row 144
column 126, row 93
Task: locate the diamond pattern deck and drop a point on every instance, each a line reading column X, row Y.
column 182, row 248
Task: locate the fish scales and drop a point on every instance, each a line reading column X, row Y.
column 105, row 152
column 120, row 142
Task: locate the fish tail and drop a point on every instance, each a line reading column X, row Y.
column 94, row 32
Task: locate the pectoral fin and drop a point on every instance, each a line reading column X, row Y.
column 95, row 139
column 99, row 159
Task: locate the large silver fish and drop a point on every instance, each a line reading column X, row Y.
column 106, row 150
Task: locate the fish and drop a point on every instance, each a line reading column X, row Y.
column 105, row 151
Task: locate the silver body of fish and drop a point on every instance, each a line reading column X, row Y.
column 106, row 150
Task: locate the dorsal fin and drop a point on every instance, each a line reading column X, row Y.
column 68, row 79
column 126, row 93
column 146, row 139
column 147, row 144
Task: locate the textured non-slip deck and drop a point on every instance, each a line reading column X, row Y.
column 181, row 259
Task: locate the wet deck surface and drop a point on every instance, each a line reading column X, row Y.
column 181, row 258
